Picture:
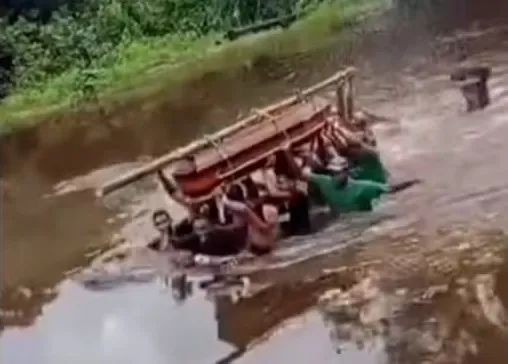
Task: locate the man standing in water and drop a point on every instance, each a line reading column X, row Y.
column 343, row 193
column 260, row 217
column 200, row 233
column 292, row 200
column 363, row 160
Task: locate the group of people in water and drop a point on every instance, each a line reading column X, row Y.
column 342, row 170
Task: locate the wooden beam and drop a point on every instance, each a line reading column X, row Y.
column 197, row 145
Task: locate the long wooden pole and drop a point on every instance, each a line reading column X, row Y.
column 195, row 146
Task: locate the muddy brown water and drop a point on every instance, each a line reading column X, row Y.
column 436, row 287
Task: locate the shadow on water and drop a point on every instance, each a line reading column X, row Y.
column 51, row 224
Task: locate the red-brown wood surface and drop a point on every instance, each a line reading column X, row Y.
column 256, row 134
column 248, row 149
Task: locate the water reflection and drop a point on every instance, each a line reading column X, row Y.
column 424, row 320
column 181, row 288
column 401, row 298
column 443, row 325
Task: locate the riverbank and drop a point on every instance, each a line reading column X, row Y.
column 160, row 67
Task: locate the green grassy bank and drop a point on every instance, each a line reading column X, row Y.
column 154, row 64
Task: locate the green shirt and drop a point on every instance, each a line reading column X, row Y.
column 355, row 196
column 368, row 166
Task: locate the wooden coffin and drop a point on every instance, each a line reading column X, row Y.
column 247, row 150
column 243, row 146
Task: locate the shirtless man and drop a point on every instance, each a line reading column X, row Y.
column 261, row 218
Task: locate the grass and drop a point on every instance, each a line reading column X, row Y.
column 159, row 64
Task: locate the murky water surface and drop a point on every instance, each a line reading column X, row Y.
column 421, row 280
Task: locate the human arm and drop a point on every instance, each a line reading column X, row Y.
column 301, row 173
column 236, row 223
column 401, row 186
column 272, row 187
column 246, row 213
column 342, row 137
column 172, row 191
column 177, row 242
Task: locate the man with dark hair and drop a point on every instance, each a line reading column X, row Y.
column 201, row 232
column 282, row 188
column 260, row 218
column 180, row 236
column 345, row 194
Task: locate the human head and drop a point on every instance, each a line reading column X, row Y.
column 161, row 220
column 209, row 211
column 360, row 120
column 236, row 193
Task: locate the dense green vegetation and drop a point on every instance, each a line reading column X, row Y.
column 101, row 47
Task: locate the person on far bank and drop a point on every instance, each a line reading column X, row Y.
column 343, row 193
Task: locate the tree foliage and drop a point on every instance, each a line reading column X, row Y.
column 89, row 36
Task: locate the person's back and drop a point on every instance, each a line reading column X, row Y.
column 180, row 236
column 262, row 240
column 293, row 202
column 261, row 220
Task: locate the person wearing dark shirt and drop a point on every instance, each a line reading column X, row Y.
column 283, row 190
column 345, row 194
column 180, row 236
column 201, row 232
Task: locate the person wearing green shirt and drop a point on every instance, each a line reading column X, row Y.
column 364, row 161
column 365, row 164
column 345, row 194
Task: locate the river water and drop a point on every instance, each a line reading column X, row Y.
column 431, row 255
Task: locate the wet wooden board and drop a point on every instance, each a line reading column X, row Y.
column 247, row 150
column 263, row 131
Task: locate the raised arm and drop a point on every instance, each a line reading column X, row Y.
column 173, row 191
column 250, row 216
column 300, row 173
column 272, row 187
column 351, row 140
column 167, row 185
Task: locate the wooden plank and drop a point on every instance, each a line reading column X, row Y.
column 193, row 147
column 256, row 134
column 249, row 159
